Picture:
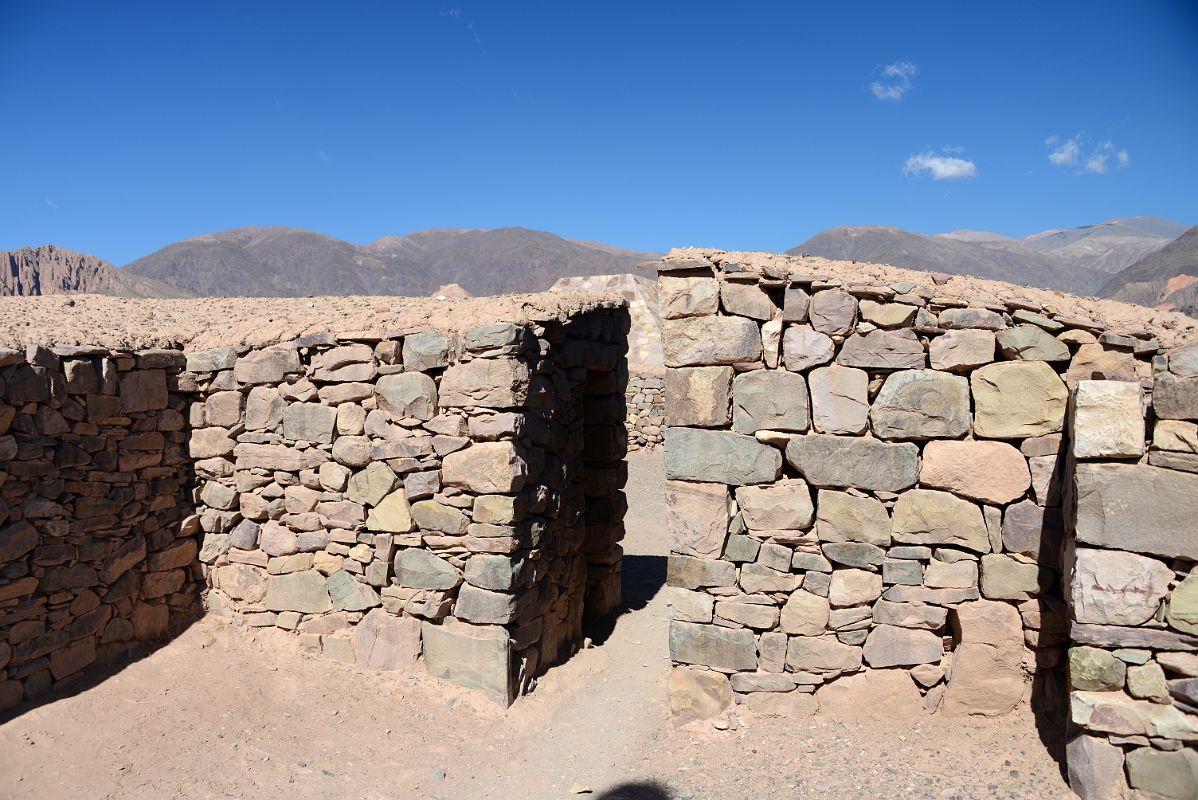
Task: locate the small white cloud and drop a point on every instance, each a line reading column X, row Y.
column 1064, row 155
column 940, row 167
column 324, row 157
column 51, row 203
column 1074, row 152
column 898, row 79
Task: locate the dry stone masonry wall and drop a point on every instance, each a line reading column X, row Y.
column 454, row 493
column 1133, row 589
column 372, row 492
column 97, row 543
column 865, row 484
column 646, row 398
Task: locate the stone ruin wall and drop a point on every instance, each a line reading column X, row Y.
column 1132, row 509
column 867, row 487
column 455, row 495
column 97, row 547
column 646, row 403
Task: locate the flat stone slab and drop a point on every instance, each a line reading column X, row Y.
column 841, row 462
column 475, row 656
column 1139, row 508
column 719, row 457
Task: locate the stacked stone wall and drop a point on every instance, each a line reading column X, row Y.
column 384, row 495
column 97, row 542
column 1133, row 590
column 646, row 398
column 864, row 487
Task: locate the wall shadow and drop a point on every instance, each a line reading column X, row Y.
column 641, row 578
column 640, row 790
column 1049, row 700
column 105, row 480
column 113, row 662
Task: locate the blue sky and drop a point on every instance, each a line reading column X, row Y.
column 128, row 126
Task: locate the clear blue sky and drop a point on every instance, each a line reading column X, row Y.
column 127, row 126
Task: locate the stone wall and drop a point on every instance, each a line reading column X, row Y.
column 646, row 402
column 97, row 545
column 383, row 495
column 864, row 486
column 1133, row 599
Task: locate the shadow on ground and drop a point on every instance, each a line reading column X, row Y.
column 641, row 577
column 636, row 791
column 110, row 661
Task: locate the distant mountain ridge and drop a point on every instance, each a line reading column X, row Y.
column 1166, row 278
column 49, row 270
column 290, row 262
column 1077, row 260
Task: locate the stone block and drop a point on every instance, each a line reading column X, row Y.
column 1108, row 421
column 1135, row 507
column 925, row 516
column 821, row 654
column 842, row 517
column 1031, row 343
column 391, row 515
column 1094, row 670
column 697, row 517
column 698, row 396
column 782, row 506
column 719, row 457
column 305, row 592
column 1175, row 398
column 425, row 350
column 992, row 472
column 1016, row 400
column 682, row 296
column 834, row 461
column 309, row 422
column 474, row 656
column 921, row 404
column 1007, row 578
column 839, row 399
column 851, row 587
column 805, row 614
column 723, row 649
column 891, row 646
column 384, row 641
column 268, row 365
column 769, row 400
column 1109, row 587
column 803, row 348
column 708, row 341
column 486, row 468
column 883, row 350
column 413, row 394
column 697, row 694
column 961, row 350
column 833, row 312
column 420, row 569
column 1095, row 768
column 1164, row 774
column 747, row 300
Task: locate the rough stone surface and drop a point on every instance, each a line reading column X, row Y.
column 711, row 646
column 1018, row 399
column 839, row 399
column 890, row 646
column 1095, row 768
column 719, row 457
column 961, row 350
column 697, row 516
column 769, row 400
column 1118, row 506
column 697, row 694
column 707, row 341
column 804, row 347
column 385, row 642
column 987, row 676
column 842, row 517
column 992, row 472
column 833, row 461
column 883, row 350
column 921, row 404
column 925, row 516
column 1107, row 420
column 475, row 656
column 699, row 396
column 783, row 506
column 1110, row 587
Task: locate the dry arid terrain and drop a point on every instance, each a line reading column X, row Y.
column 217, row 713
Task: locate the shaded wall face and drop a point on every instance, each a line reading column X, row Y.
column 1133, row 590
column 97, row 543
column 387, row 496
column 865, row 485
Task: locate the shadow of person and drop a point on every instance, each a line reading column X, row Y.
column 641, row 790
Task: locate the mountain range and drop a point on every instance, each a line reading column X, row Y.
column 1148, row 260
column 1078, row 260
column 288, row 262
column 53, row 270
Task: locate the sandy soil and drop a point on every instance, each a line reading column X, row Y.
column 205, row 323
column 1169, row 328
column 217, row 714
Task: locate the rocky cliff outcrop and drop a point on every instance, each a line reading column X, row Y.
column 53, row 270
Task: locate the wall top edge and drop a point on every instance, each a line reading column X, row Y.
column 110, row 324
column 886, row 283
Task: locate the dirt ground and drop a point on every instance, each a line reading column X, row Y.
column 217, row 714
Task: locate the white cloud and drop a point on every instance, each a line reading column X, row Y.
column 940, row 167
column 898, row 80
column 1075, row 152
column 1066, row 154
column 51, row 203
